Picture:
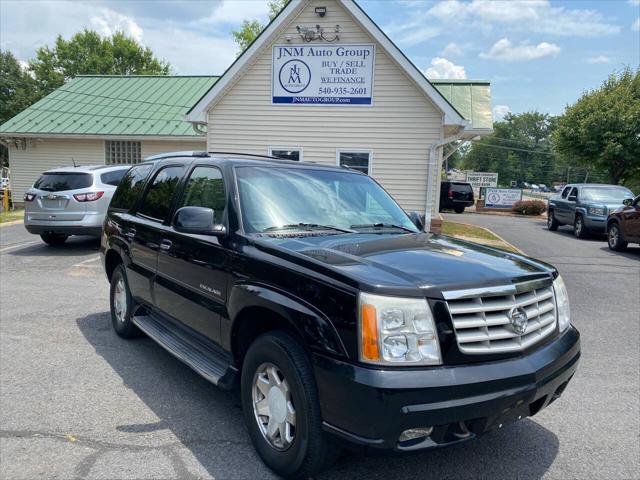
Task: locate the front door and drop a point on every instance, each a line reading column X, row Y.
column 631, row 221
column 192, row 274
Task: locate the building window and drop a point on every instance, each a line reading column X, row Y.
column 119, row 152
column 355, row 159
column 286, row 153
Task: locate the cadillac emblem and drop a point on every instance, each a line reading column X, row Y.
column 518, row 320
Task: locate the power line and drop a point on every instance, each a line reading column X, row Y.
column 515, row 149
column 122, row 99
column 105, row 116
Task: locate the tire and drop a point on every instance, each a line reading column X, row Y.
column 552, row 223
column 459, row 209
column 615, row 238
column 304, row 450
column 122, row 305
column 54, row 239
column 579, row 228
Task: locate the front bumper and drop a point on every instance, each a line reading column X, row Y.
column 596, row 223
column 372, row 407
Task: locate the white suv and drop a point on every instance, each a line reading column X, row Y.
column 70, row 201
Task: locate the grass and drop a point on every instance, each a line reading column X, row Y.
column 11, row 216
column 476, row 234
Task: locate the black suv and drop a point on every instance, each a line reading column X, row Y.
column 456, row 196
column 342, row 322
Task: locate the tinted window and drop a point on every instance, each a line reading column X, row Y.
column 205, row 188
column 574, row 192
column 157, row 201
column 461, row 187
column 113, row 178
column 130, row 187
column 59, row 182
column 565, row 193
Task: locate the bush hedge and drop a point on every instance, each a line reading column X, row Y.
column 530, row 207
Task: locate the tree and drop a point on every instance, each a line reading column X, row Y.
column 520, row 150
column 88, row 53
column 252, row 28
column 16, row 92
column 601, row 131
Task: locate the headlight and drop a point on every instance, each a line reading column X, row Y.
column 595, row 211
column 396, row 331
column 562, row 303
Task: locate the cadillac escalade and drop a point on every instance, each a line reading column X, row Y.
column 342, row 322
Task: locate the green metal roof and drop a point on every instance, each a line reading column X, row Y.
column 472, row 98
column 114, row 105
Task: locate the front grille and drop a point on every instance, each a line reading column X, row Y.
column 481, row 317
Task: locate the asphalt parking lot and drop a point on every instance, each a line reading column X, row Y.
column 76, row 401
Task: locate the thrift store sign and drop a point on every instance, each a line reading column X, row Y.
column 323, row 74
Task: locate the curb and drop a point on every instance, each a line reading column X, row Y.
column 492, row 233
column 13, row 222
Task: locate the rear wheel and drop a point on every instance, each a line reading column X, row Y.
column 122, row 305
column 552, row 223
column 615, row 238
column 579, row 228
column 281, row 407
column 458, row 209
column 53, row 239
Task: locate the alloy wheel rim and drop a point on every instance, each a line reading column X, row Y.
column 273, row 407
column 613, row 236
column 579, row 226
column 550, row 219
column 120, row 300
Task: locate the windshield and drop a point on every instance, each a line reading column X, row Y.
column 606, row 194
column 278, row 196
column 59, row 182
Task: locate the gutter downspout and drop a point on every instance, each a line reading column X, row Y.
column 197, row 127
column 432, row 172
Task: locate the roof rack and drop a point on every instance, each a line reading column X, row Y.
column 269, row 157
column 162, row 156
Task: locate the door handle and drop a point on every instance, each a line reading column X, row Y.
column 130, row 234
column 166, row 245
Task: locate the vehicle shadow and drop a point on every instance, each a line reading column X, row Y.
column 72, row 247
column 209, row 423
column 632, row 252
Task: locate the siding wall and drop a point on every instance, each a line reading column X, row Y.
column 398, row 128
column 44, row 154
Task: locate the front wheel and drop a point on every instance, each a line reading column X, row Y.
column 281, row 407
column 615, row 238
column 54, row 239
column 552, row 223
column 122, row 305
column 579, row 228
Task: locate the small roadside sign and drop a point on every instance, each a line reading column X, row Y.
column 482, row 179
column 502, row 197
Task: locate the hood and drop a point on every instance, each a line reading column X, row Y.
column 388, row 263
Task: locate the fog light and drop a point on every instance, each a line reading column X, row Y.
column 414, row 433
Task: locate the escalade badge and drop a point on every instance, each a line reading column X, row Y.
column 518, row 320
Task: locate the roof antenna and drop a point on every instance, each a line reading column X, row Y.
column 74, row 162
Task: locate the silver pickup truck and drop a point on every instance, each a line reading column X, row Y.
column 585, row 206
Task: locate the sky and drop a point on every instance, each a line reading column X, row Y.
column 538, row 54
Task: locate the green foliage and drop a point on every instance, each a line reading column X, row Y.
column 602, row 129
column 520, row 150
column 530, row 207
column 252, row 28
column 16, row 92
column 88, row 53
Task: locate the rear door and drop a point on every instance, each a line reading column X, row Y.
column 54, row 196
column 144, row 229
column 192, row 273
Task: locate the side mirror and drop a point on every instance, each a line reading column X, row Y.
column 572, row 198
column 628, row 202
column 197, row 220
column 416, row 218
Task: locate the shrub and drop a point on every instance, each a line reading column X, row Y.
column 530, row 207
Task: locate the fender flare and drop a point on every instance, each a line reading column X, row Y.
column 308, row 322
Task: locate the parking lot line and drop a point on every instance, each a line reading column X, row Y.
column 89, row 260
column 19, row 245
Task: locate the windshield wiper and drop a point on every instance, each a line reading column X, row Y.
column 382, row 225
column 307, row 226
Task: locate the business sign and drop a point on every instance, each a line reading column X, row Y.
column 502, row 197
column 323, row 74
column 482, row 179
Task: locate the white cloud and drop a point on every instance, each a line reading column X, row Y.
column 529, row 15
column 504, row 50
column 633, row 2
column 443, row 68
column 599, row 59
column 636, row 25
column 500, row 111
column 109, row 22
column 451, row 50
column 233, row 11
